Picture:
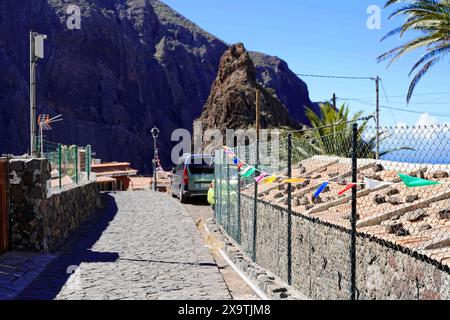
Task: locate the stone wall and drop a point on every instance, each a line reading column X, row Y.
column 321, row 263
column 65, row 211
column 28, row 193
column 40, row 221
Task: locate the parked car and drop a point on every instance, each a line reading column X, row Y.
column 192, row 176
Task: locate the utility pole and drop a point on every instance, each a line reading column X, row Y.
column 36, row 53
column 33, row 62
column 377, row 82
column 258, row 111
column 334, row 101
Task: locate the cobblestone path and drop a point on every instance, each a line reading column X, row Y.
column 145, row 246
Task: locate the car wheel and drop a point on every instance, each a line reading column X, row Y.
column 182, row 197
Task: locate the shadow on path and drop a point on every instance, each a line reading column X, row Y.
column 49, row 283
column 198, row 201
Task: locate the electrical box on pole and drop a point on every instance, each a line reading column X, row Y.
column 39, row 45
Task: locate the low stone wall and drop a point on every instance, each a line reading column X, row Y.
column 321, row 262
column 41, row 221
column 65, row 211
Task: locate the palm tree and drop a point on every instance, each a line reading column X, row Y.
column 432, row 19
column 331, row 132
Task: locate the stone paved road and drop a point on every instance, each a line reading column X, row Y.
column 200, row 210
column 144, row 247
column 19, row 269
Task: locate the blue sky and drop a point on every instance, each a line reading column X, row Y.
column 328, row 37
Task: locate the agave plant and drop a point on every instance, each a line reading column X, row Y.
column 432, row 19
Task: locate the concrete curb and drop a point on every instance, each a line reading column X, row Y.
column 266, row 285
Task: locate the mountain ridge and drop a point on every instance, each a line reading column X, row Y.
column 133, row 65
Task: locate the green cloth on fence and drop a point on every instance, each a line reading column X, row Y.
column 211, row 196
column 412, row 182
column 249, row 173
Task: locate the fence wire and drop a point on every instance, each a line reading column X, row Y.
column 390, row 202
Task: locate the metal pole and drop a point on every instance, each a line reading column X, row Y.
column 32, row 95
column 88, row 160
column 257, row 115
column 289, row 213
column 76, row 165
column 228, row 228
column 216, row 185
column 238, row 235
column 155, row 183
column 334, row 101
column 255, row 200
column 255, row 217
column 41, row 133
column 354, row 214
column 224, row 159
column 377, row 82
column 60, row 165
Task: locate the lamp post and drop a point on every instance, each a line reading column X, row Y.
column 155, row 134
column 36, row 53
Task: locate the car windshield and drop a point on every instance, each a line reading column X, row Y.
column 200, row 165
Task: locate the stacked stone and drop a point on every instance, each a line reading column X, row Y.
column 67, row 210
column 40, row 222
column 28, row 192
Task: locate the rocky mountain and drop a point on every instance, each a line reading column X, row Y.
column 274, row 73
column 232, row 105
column 133, row 64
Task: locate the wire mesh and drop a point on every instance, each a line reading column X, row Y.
column 409, row 202
column 411, row 216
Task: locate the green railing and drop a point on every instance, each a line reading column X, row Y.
column 70, row 164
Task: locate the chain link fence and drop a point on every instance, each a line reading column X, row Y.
column 397, row 195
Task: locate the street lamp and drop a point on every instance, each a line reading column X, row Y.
column 155, row 134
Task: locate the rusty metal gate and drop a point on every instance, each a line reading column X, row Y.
column 4, row 206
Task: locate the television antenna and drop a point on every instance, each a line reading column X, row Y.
column 44, row 122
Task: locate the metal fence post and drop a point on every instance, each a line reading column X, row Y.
column 354, row 213
column 228, row 200
column 215, row 185
column 221, row 188
column 255, row 208
column 289, row 213
column 60, row 165
column 238, row 235
column 76, row 164
column 88, row 160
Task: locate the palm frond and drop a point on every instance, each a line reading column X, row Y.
column 419, row 76
column 432, row 19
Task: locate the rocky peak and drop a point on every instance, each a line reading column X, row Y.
column 232, row 105
column 236, row 66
